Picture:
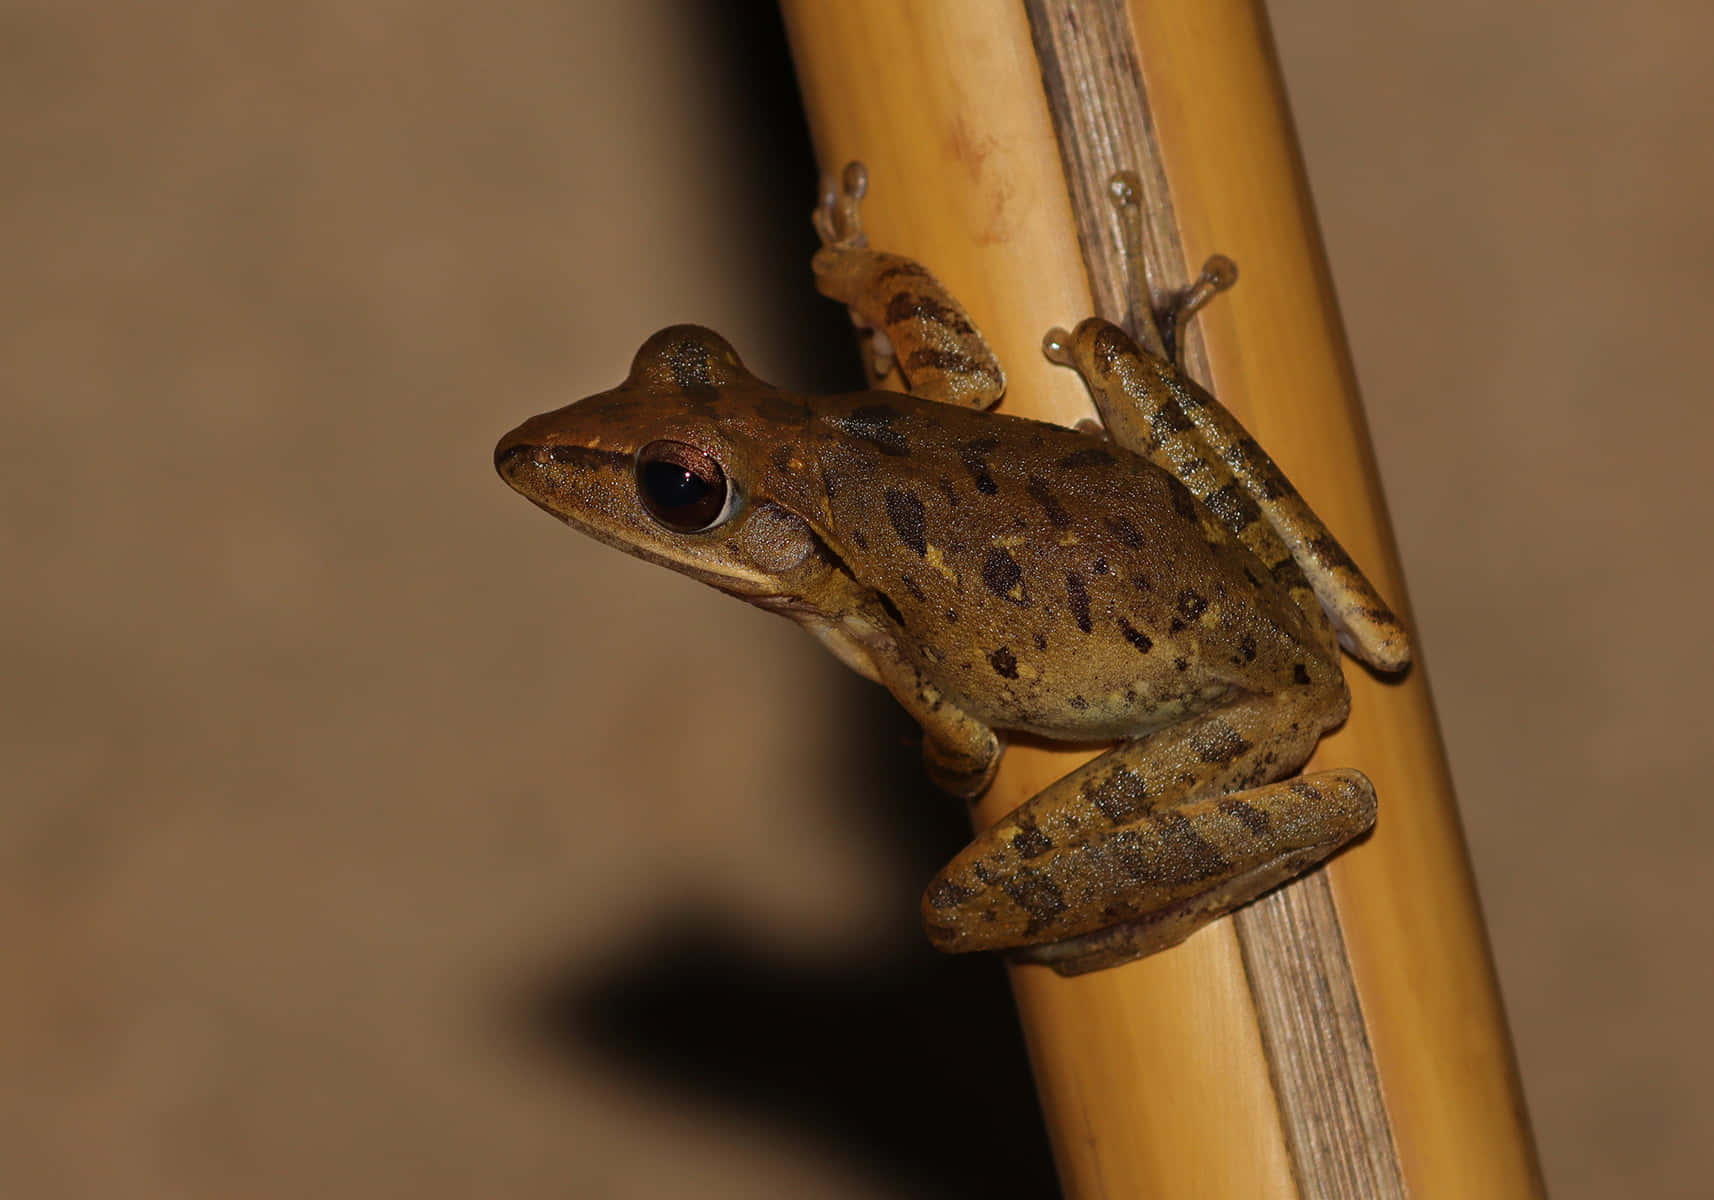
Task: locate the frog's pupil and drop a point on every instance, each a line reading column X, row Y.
column 672, row 486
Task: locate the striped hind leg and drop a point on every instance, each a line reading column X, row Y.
column 1137, row 849
column 1151, row 408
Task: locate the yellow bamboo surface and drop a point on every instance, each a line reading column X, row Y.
column 1152, row 1075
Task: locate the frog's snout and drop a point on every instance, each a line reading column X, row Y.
column 521, row 444
column 508, row 453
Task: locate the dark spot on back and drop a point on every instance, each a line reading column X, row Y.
column 873, row 423
column 1078, row 702
column 860, row 538
column 1300, row 675
column 1247, row 647
column 1100, row 567
column 905, row 511
column 1127, row 533
column 782, row 458
column 1043, row 495
column 1078, row 596
column 912, row 587
column 1040, row 641
column 1142, row 641
column 1191, row 605
column 1004, row 662
column 1090, row 456
column 974, row 455
column 1002, row 574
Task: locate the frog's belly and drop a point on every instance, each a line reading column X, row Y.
column 1080, row 702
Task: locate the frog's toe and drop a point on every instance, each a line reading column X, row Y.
column 837, row 217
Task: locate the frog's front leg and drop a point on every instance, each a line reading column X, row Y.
column 915, row 320
column 1137, row 849
column 959, row 752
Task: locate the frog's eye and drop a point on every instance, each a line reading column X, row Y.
column 683, row 487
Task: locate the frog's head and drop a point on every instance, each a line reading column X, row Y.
column 682, row 464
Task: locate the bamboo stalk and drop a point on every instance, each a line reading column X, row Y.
column 1156, row 1077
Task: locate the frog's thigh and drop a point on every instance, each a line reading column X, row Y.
column 1158, row 836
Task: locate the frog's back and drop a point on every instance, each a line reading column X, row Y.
column 1046, row 580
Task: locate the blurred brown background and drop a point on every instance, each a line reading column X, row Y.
column 365, row 833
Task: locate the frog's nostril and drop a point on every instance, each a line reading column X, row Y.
column 508, row 452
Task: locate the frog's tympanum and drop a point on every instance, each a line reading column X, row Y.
column 1163, row 587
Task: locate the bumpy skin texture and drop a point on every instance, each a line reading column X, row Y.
column 999, row 574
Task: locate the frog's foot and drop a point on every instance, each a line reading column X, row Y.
column 838, row 222
column 837, row 217
column 1161, row 331
column 1219, row 273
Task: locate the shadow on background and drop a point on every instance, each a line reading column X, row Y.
column 906, row 1065
column 906, row 1068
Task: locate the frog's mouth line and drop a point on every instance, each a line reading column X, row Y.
column 778, row 602
column 755, row 589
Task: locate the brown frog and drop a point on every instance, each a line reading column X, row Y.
column 1167, row 589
